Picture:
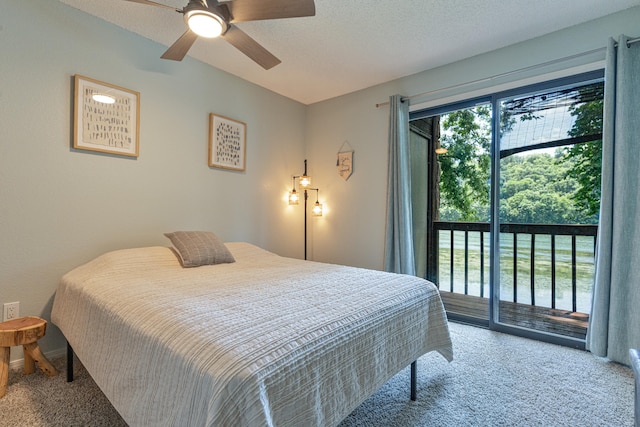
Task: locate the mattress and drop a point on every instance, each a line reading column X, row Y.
column 264, row 341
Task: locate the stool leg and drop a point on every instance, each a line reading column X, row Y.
column 29, row 364
column 34, row 351
column 4, row 370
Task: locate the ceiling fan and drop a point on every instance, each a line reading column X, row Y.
column 211, row 18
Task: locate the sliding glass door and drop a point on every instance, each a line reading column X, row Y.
column 452, row 209
column 547, row 161
column 505, row 209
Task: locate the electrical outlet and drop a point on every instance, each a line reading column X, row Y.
column 11, row 311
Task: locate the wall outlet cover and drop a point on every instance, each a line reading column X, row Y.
column 11, row 310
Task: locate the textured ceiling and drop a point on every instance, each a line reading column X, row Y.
column 353, row 44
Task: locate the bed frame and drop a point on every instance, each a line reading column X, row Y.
column 414, row 372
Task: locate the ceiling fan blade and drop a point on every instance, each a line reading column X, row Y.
column 152, row 3
column 256, row 10
column 245, row 44
column 179, row 49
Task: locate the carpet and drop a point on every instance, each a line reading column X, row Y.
column 495, row 380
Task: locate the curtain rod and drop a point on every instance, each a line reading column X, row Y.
column 520, row 70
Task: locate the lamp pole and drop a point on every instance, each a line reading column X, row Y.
column 294, row 199
column 306, row 196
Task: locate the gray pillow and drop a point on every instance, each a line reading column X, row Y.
column 197, row 248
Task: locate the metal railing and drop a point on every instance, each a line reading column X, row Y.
column 531, row 231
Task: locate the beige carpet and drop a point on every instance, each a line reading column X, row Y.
column 495, row 380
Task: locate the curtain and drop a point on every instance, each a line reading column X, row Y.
column 398, row 253
column 615, row 311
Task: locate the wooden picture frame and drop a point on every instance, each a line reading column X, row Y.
column 227, row 142
column 112, row 128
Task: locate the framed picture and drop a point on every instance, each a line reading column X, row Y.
column 227, row 140
column 106, row 118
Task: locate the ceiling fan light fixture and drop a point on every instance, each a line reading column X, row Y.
column 205, row 23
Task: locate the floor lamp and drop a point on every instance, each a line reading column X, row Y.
column 304, row 181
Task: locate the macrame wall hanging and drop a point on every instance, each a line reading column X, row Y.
column 344, row 163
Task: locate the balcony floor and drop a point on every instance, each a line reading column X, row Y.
column 544, row 319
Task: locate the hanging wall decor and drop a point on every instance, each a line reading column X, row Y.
column 227, row 138
column 106, row 118
column 345, row 161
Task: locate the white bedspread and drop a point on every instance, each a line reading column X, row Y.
column 265, row 341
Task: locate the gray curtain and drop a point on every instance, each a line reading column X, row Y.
column 398, row 253
column 615, row 313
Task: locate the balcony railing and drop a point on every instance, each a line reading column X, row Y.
column 519, row 238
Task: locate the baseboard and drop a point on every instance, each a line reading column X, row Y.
column 54, row 354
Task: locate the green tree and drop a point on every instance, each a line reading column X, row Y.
column 585, row 159
column 564, row 188
column 464, row 178
column 536, row 189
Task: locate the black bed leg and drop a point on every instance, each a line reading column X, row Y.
column 414, row 379
column 69, row 363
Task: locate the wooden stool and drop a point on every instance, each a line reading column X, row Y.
column 24, row 331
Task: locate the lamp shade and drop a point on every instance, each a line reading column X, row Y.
column 305, row 181
column 294, row 198
column 317, row 209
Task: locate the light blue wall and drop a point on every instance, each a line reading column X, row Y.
column 352, row 232
column 60, row 207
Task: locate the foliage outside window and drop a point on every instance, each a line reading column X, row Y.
column 558, row 185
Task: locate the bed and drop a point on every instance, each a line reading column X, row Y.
column 262, row 340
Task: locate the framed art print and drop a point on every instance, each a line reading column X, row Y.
column 106, row 118
column 227, row 140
